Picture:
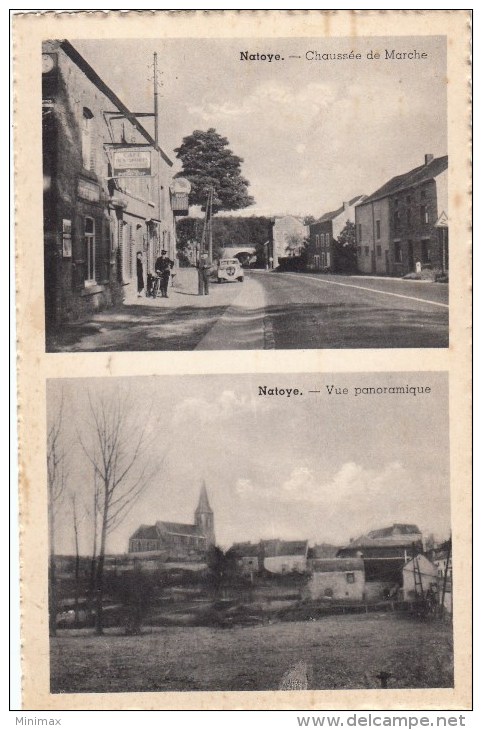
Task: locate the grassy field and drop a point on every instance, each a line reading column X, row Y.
column 341, row 652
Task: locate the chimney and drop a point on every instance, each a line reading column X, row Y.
column 428, row 159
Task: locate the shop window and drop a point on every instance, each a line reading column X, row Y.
column 89, row 244
column 397, row 246
column 87, row 135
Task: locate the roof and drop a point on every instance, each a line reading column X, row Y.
column 275, row 548
column 418, row 175
column 246, row 549
column 398, row 528
column 179, row 528
column 146, row 532
column 397, row 535
column 335, row 213
column 337, row 565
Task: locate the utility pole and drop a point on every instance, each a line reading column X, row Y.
column 156, row 103
column 210, row 239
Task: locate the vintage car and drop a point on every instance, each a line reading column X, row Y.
column 229, row 270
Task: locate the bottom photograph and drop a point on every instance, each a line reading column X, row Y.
column 249, row 532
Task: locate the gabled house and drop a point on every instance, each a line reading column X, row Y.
column 384, row 553
column 337, row 579
column 403, row 226
column 323, row 234
column 247, row 556
column 282, row 556
column 419, row 577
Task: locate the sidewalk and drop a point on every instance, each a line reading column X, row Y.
column 234, row 312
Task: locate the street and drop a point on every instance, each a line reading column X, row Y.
column 271, row 310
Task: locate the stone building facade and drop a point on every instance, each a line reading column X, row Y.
column 323, row 233
column 95, row 222
column 403, row 226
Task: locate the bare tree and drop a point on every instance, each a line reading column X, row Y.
column 75, row 521
column 56, row 478
column 116, row 450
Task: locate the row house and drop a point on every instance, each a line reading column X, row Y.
column 107, row 190
column 323, row 234
column 403, row 226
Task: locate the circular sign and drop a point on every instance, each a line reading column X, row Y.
column 180, row 185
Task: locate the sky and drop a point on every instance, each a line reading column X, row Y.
column 312, row 133
column 318, row 467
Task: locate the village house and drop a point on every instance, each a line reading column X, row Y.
column 403, row 226
column 287, row 237
column 384, row 553
column 247, row 556
column 283, row 556
column 175, row 540
column 322, row 252
column 337, row 579
column 419, row 577
column 106, row 190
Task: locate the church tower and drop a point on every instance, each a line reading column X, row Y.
column 204, row 516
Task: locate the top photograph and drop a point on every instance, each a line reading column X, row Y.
column 245, row 194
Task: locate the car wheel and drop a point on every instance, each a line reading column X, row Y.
column 220, row 281
column 241, row 278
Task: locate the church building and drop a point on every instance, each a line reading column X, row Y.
column 175, row 540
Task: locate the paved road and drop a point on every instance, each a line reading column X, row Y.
column 329, row 311
column 272, row 311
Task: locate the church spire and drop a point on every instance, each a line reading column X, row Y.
column 203, row 504
column 204, row 516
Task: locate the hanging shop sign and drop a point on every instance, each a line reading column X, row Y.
column 132, row 162
column 180, row 189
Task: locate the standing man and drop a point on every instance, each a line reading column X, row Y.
column 140, row 274
column 203, row 271
column 163, row 270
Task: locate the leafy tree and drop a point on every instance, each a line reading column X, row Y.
column 345, row 249
column 208, row 162
column 227, row 231
column 136, row 592
column 221, row 567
